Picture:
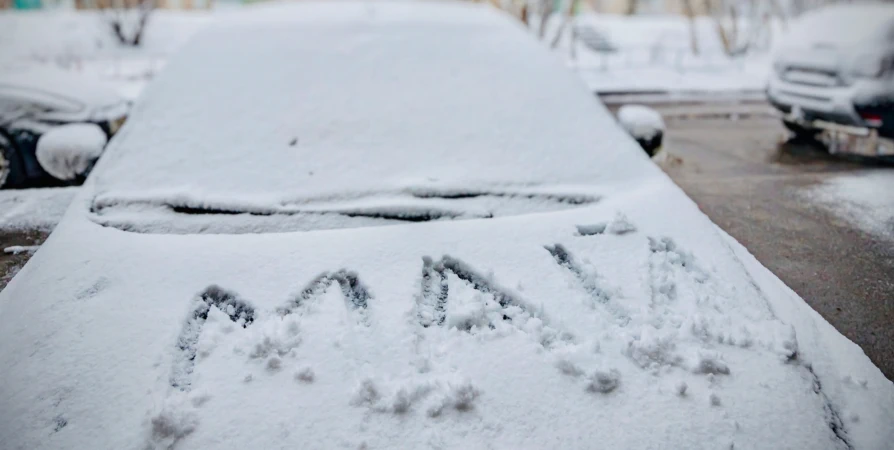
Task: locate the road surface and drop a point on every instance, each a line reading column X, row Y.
column 759, row 189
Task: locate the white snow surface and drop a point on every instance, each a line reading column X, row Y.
column 654, row 55
column 82, row 42
column 518, row 331
column 67, row 96
column 844, row 24
column 69, row 151
column 33, row 209
column 641, row 121
column 865, row 199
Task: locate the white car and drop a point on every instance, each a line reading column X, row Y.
column 834, row 71
column 404, row 225
column 53, row 125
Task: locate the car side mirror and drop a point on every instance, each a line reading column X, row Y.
column 68, row 152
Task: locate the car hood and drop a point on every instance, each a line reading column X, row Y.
column 520, row 331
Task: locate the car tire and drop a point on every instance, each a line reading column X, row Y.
column 800, row 131
column 12, row 172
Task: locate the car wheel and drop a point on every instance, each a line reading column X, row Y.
column 800, row 131
column 12, row 173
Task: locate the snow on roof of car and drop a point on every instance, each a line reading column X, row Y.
column 627, row 321
column 844, row 24
column 294, row 101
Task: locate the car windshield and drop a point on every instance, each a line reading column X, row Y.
column 284, row 136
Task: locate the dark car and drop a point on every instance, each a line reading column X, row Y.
column 53, row 125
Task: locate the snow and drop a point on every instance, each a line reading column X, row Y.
column 68, row 96
column 33, row 209
column 844, row 25
column 16, row 249
column 357, row 117
column 654, row 55
column 866, row 199
column 514, row 331
column 641, row 121
column 69, row 151
column 81, row 42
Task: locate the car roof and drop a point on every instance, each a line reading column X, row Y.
column 844, row 24
column 324, row 100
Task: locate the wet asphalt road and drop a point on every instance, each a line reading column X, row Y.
column 751, row 183
column 11, row 263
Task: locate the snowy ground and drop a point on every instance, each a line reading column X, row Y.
column 82, row 41
column 864, row 198
column 33, row 209
column 654, row 55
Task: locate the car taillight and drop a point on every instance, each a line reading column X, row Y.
column 872, row 119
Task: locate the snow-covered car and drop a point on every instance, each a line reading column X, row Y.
column 404, row 225
column 834, row 71
column 53, row 125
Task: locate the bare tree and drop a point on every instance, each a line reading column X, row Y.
column 127, row 19
column 546, row 10
column 689, row 11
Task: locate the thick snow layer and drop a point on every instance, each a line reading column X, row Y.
column 641, row 121
column 524, row 330
column 33, row 209
column 324, row 130
column 69, row 151
column 864, row 198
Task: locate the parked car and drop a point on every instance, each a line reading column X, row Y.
column 404, row 225
column 53, row 125
column 834, row 73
